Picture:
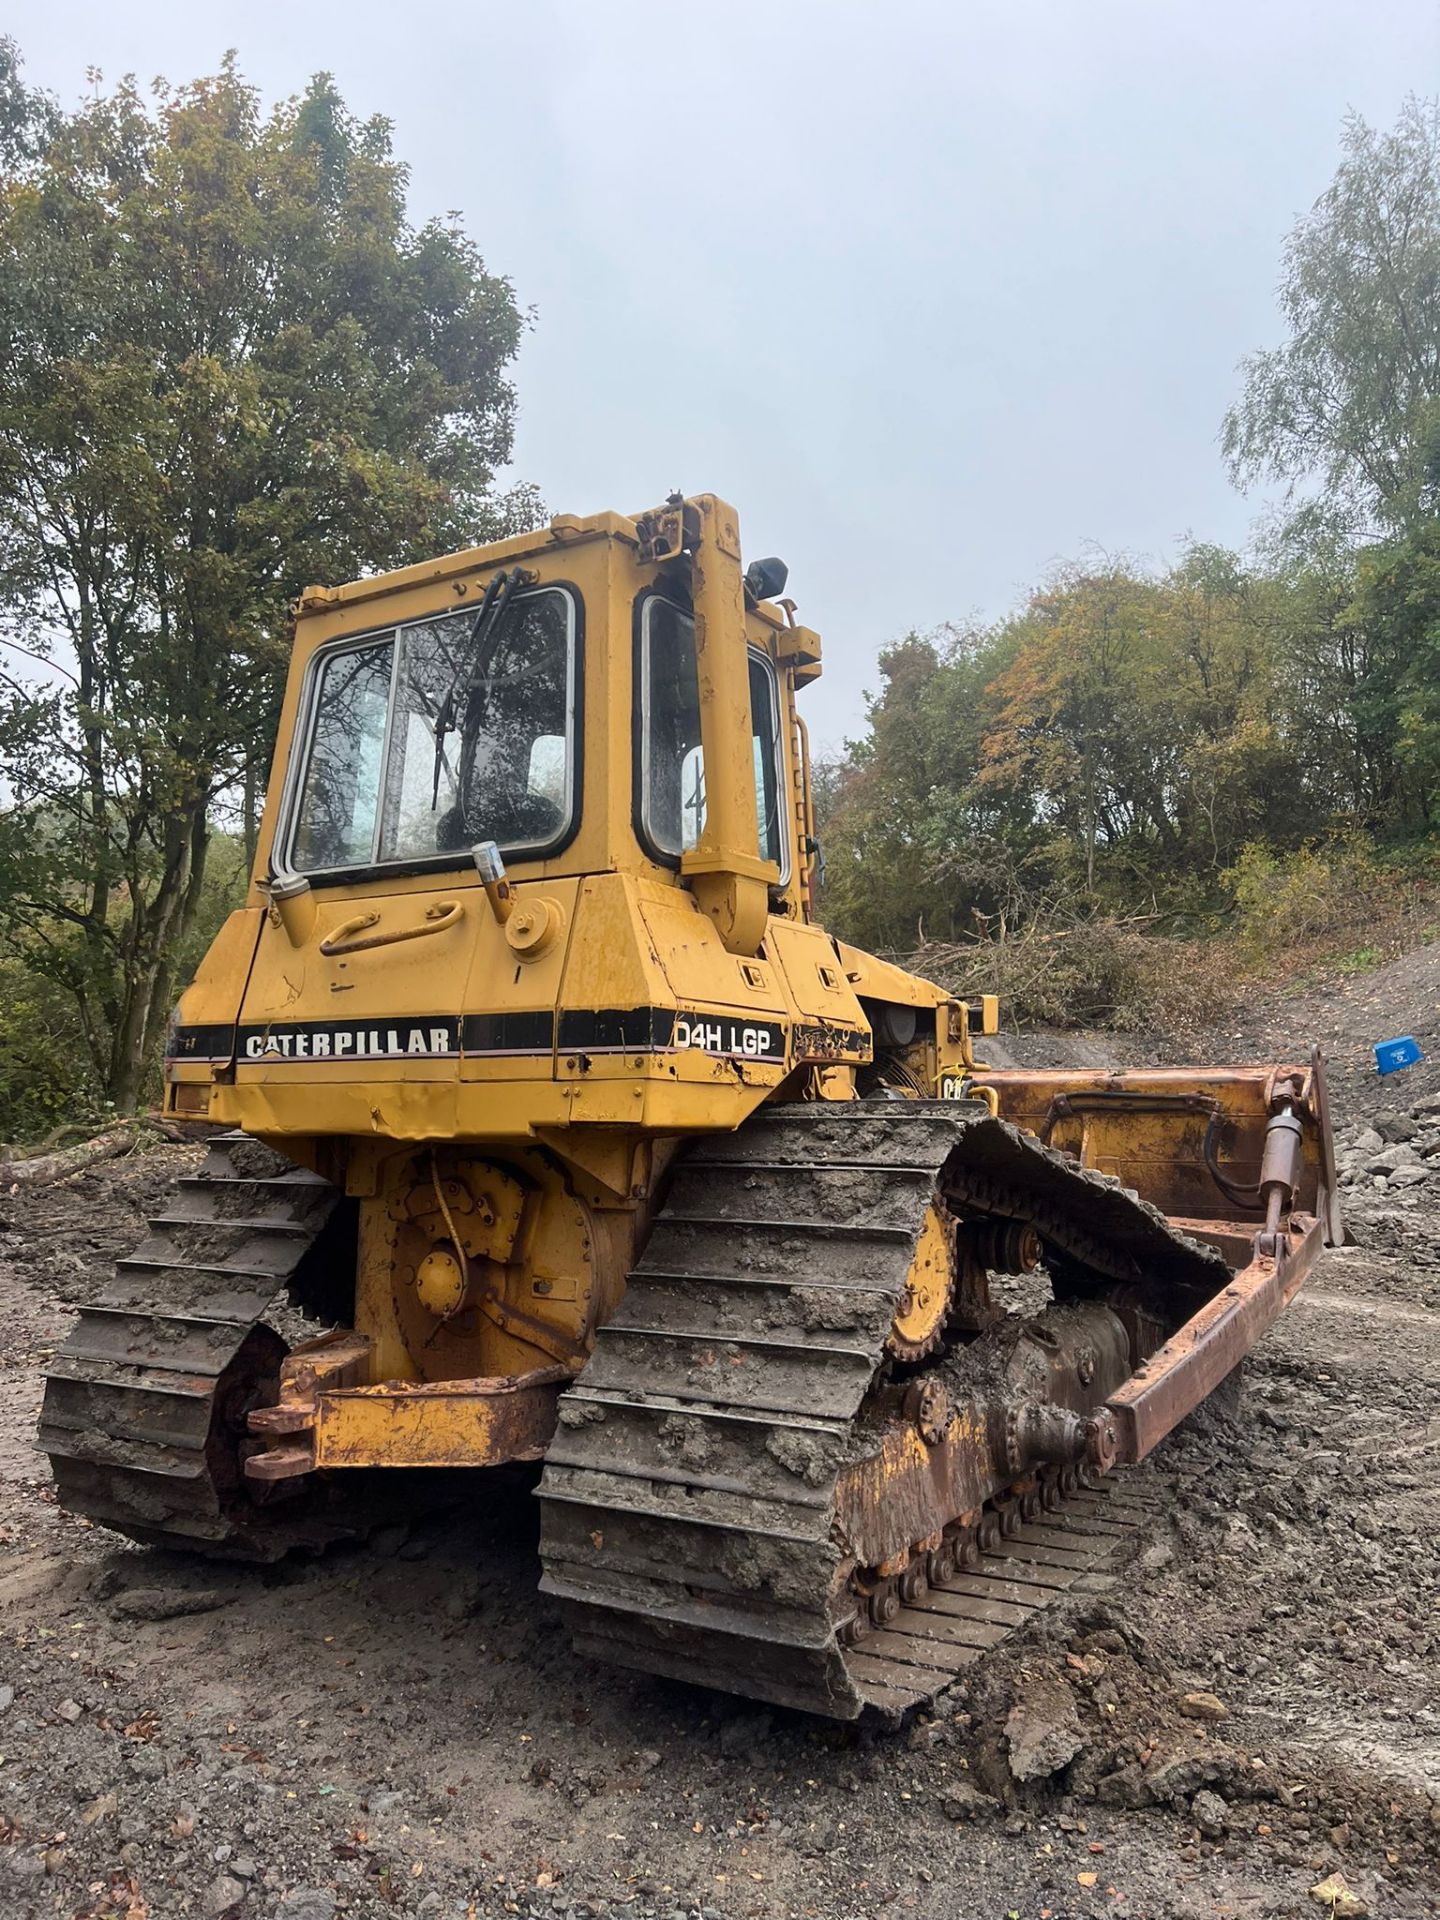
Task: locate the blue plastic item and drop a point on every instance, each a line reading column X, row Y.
column 1391, row 1055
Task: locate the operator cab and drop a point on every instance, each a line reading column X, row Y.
column 411, row 751
column 538, row 853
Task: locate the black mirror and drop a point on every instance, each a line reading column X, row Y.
column 766, row 578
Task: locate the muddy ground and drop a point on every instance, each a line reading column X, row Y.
column 400, row 1728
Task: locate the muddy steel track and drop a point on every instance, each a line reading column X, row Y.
column 145, row 1404
column 689, row 1498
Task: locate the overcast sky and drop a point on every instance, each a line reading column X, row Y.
column 935, row 294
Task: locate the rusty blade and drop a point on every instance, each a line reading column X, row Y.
column 1193, row 1362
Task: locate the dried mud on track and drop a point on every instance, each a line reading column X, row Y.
column 400, row 1727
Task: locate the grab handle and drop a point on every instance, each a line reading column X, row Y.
column 352, row 937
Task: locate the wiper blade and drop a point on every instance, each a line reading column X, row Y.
column 476, row 658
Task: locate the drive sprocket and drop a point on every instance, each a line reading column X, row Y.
column 919, row 1324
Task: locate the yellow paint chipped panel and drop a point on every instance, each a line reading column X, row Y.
column 457, row 1424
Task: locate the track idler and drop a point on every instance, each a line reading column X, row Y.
column 1026, row 1396
column 1062, row 1366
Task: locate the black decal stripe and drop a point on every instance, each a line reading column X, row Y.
column 616, row 1029
column 200, row 1043
column 508, row 1032
column 276, row 1039
column 580, row 1030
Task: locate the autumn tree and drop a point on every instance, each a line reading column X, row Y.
column 911, row 845
column 1115, row 744
column 1140, row 718
column 1064, row 729
column 229, row 366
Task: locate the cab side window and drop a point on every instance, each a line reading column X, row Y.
column 340, row 800
column 672, row 760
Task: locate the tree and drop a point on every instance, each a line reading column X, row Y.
column 1231, row 770
column 1114, row 744
column 872, row 808
column 1397, row 596
column 1077, row 724
column 1351, row 402
column 229, row 366
column 912, row 845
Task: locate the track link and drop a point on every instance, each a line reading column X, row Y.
column 689, row 1498
column 1079, row 1548
column 144, row 1411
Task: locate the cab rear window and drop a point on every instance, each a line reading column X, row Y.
column 424, row 740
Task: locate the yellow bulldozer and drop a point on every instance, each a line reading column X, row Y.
column 541, row 1088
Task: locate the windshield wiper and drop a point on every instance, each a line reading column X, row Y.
column 477, row 656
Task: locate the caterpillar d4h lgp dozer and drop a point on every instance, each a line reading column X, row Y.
column 548, row 1095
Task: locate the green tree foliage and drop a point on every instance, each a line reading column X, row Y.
column 1347, row 414
column 1136, row 718
column 909, row 841
column 1347, row 411
column 1397, row 596
column 229, row 366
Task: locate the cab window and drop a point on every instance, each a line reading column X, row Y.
column 340, row 808
column 672, row 760
column 424, row 740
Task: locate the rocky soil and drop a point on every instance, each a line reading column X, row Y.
column 1248, row 1725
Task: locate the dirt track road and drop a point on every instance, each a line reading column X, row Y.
column 400, row 1728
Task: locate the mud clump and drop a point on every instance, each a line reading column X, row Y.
column 810, row 1456
column 159, row 1603
column 1042, row 1728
